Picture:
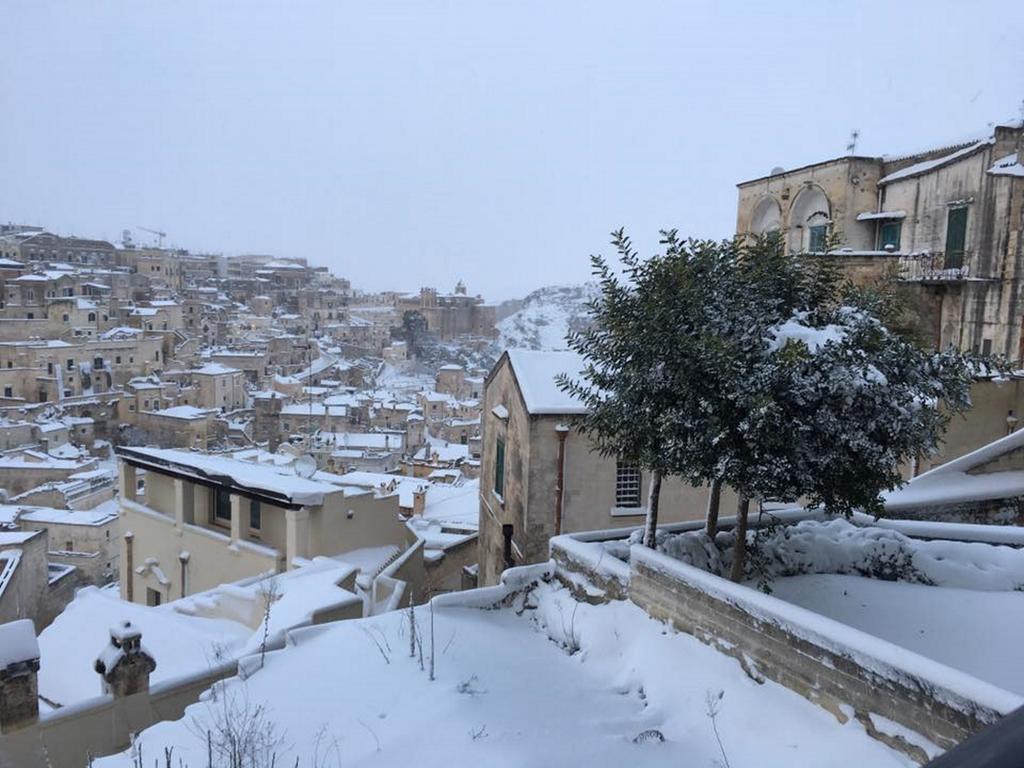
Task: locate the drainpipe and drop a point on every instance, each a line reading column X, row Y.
column 562, row 431
column 129, row 572
column 183, row 557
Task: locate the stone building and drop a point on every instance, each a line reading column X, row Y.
column 948, row 223
column 87, row 540
column 207, row 520
column 530, row 450
column 220, row 387
column 449, row 315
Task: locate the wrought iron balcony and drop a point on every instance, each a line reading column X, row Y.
column 932, row 268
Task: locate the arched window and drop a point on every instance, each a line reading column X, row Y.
column 809, row 220
column 767, row 216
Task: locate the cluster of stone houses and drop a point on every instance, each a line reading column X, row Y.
column 254, row 365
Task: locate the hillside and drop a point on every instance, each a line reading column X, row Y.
column 546, row 316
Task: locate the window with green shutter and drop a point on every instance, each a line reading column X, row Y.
column 956, row 237
column 890, row 235
column 499, row 467
column 255, row 515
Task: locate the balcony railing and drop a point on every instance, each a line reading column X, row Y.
column 931, row 268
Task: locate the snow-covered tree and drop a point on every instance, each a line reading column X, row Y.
column 736, row 363
column 648, row 355
column 816, row 398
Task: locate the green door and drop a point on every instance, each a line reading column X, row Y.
column 956, row 237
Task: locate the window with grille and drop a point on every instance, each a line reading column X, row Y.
column 627, row 486
column 818, row 238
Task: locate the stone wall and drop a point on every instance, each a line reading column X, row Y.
column 832, row 665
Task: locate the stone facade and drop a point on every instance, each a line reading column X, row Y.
column 525, row 508
column 948, row 223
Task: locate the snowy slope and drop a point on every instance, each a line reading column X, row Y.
column 546, row 316
column 507, row 693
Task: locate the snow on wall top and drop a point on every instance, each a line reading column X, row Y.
column 1008, row 166
column 297, row 490
column 951, row 483
column 948, row 685
column 536, row 372
column 18, row 642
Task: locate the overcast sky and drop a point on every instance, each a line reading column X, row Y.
column 409, row 144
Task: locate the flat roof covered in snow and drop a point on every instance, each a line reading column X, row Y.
column 280, row 488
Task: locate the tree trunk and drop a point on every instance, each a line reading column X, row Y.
column 714, row 499
column 739, row 549
column 651, row 524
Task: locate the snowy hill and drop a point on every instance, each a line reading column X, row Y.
column 546, row 316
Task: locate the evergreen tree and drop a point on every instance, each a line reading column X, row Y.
column 738, row 364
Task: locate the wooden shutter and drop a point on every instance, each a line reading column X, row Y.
column 956, row 237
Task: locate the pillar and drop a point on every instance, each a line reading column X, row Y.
column 297, row 534
column 128, row 567
column 128, row 485
column 179, row 503
column 239, row 518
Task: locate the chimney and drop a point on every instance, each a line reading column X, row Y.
column 19, row 665
column 419, row 500
column 124, row 664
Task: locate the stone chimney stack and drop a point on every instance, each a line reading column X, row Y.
column 124, row 664
column 419, row 500
column 19, row 665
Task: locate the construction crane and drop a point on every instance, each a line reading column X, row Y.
column 160, row 235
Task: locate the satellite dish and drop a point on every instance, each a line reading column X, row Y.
column 777, row 170
column 305, row 466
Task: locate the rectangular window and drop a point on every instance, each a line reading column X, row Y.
column 153, row 597
column 71, row 365
column 8, row 391
column 255, row 514
column 956, row 237
column 627, row 486
column 499, row 467
column 222, row 505
column 819, row 234
column 890, row 235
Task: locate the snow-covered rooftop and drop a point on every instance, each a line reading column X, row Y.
column 243, row 475
column 930, row 165
column 954, row 481
column 536, row 371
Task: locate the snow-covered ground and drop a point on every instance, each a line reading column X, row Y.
column 976, row 631
column 185, row 636
column 509, row 693
column 181, row 644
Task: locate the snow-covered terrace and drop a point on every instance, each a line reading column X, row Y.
column 543, row 681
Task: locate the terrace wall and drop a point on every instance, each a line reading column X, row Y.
column 845, row 671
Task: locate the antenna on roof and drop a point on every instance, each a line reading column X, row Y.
column 851, row 148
